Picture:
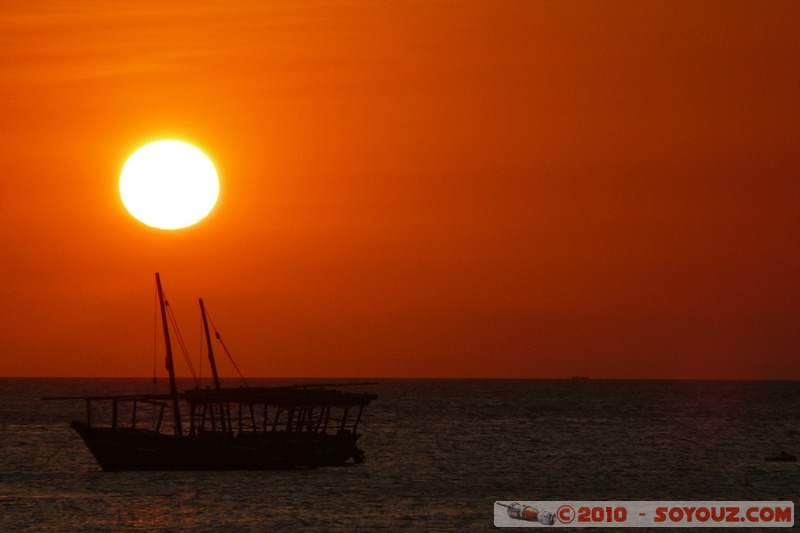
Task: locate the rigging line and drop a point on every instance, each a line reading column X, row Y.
column 181, row 343
column 155, row 335
column 71, row 435
column 200, row 370
column 179, row 338
column 216, row 334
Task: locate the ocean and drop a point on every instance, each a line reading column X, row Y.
column 439, row 454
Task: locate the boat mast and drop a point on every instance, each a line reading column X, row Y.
column 173, row 389
column 210, row 348
column 222, row 418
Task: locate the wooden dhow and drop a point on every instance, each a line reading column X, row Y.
column 242, row 428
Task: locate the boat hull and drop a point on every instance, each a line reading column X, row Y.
column 117, row 449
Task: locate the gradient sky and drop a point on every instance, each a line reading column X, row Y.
column 410, row 189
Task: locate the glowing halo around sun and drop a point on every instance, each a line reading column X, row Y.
column 169, row 185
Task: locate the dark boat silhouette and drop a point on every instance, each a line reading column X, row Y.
column 244, row 428
column 783, row 456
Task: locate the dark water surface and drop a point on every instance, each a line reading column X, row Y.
column 439, row 454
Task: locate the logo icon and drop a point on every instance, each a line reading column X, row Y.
column 530, row 514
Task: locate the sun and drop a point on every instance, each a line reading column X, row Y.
column 169, row 184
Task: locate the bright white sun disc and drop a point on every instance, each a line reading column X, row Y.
column 169, row 184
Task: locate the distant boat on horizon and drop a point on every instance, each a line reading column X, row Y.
column 244, row 428
column 782, row 456
column 580, row 378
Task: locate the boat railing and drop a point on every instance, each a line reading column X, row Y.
column 214, row 415
column 249, row 418
column 126, row 412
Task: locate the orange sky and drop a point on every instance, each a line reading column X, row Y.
column 410, row 189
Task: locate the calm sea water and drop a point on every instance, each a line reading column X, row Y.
column 439, row 454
